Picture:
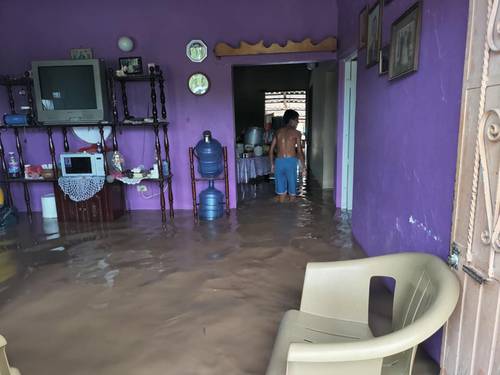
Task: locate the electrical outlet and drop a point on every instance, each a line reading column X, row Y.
column 142, row 188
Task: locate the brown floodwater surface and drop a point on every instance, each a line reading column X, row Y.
column 136, row 297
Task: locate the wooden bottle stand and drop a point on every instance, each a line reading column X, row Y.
column 195, row 179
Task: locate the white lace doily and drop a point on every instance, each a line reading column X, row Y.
column 129, row 181
column 81, row 188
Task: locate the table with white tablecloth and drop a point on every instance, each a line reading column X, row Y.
column 249, row 168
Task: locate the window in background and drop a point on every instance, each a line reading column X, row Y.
column 277, row 102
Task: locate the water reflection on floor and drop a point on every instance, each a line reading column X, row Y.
column 137, row 297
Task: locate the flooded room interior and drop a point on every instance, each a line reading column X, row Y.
column 278, row 188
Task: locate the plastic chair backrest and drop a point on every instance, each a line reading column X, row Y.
column 417, row 279
column 4, row 364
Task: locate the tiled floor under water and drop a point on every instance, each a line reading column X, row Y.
column 136, row 297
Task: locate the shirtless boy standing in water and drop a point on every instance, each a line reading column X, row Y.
column 289, row 151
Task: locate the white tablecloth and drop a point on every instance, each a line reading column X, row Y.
column 248, row 168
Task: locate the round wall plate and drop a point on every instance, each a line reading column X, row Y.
column 196, row 50
column 91, row 134
column 198, row 84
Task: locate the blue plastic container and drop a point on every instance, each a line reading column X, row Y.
column 208, row 151
column 16, row 120
column 211, row 203
column 165, row 167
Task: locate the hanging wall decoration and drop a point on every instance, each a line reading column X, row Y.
column 196, row 50
column 81, row 53
column 405, row 43
column 363, row 24
column 198, row 84
column 307, row 45
column 130, row 65
column 374, row 34
column 125, row 44
column 383, row 64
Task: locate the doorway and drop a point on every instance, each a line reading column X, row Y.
column 262, row 93
column 277, row 102
column 349, row 120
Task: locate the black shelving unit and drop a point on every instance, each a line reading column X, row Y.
column 155, row 77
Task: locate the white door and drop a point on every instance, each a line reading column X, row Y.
column 472, row 339
column 350, row 74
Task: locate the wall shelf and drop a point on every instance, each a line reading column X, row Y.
column 15, row 81
column 40, row 126
column 136, row 77
column 155, row 78
column 27, row 180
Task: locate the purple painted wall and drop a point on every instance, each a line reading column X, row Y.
column 161, row 30
column 406, row 135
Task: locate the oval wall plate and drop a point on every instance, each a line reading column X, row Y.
column 91, row 134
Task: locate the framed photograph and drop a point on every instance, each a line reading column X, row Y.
column 363, row 24
column 405, row 43
column 81, row 53
column 198, row 84
column 374, row 34
column 196, row 50
column 383, row 64
column 130, row 65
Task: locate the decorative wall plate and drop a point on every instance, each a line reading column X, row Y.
column 91, row 134
column 196, row 50
column 198, row 84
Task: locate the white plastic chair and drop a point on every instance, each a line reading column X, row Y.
column 5, row 369
column 330, row 334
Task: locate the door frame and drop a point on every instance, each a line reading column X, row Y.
column 348, row 130
column 471, row 343
column 308, row 130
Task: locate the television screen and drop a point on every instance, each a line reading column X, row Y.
column 67, row 87
column 70, row 91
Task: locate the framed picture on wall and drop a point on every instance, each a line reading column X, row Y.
column 374, row 36
column 383, row 64
column 198, row 84
column 131, row 65
column 405, row 43
column 363, row 23
column 81, row 53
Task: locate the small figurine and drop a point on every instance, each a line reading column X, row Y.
column 117, row 162
column 121, row 72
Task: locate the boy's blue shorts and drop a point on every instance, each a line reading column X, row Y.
column 285, row 174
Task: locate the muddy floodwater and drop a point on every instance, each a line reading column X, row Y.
column 136, row 297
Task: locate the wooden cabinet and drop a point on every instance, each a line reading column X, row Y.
column 107, row 205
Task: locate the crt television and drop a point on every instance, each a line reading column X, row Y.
column 70, row 91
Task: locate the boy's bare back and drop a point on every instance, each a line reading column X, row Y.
column 287, row 142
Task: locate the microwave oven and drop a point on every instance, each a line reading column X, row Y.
column 82, row 164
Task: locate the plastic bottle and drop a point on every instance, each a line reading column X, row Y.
column 14, row 171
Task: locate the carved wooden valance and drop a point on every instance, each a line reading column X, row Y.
column 307, row 45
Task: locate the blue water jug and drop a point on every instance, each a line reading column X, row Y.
column 208, row 151
column 211, row 203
